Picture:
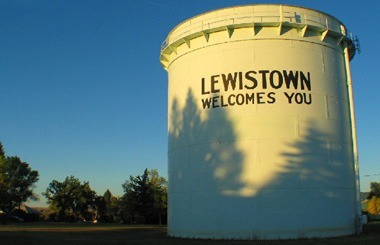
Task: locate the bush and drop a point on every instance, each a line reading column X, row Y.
column 19, row 215
column 3, row 219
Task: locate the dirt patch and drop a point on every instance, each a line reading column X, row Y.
column 58, row 233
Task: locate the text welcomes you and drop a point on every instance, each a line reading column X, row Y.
column 260, row 81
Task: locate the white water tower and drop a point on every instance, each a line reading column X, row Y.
column 262, row 141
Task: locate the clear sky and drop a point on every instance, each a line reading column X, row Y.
column 82, row 91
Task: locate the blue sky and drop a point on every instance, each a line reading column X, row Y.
column 82, row 91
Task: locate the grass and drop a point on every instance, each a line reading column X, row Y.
column 62, row 233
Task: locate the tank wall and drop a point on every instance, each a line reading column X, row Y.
column 259, row 135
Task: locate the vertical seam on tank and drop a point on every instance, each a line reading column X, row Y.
column 327, row 106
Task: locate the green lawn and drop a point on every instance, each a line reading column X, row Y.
column 62, row 233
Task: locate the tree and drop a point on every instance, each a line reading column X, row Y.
column 70, row 198
column 17, row 181
column 2, row 154
column 144, row 200
column 159, row 190
column 107, row 207
column 112, row 207
column 3, row 187
column 375, row 190
column 373, row 206
column 138, row 197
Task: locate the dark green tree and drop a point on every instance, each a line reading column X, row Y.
column 70, row 198
column 159, row 191
column 3, row 187
column 107, row 207
column 139, row 197
column 144, row 200
column 375, row 190
column 128, row 207
column 17, row 181
column 2, row 153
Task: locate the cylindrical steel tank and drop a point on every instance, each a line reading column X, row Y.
column 261, row 127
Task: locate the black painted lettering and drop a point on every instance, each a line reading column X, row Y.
column 230, row 102
column 203, row 87
column 264, row 77
column 305, row 81
column 298, row 98
column 291, row 78
column 214, row 81
column 271, row 98
column 275, row 79
column 240, row 80
column 222, row 104
column 250, row 98
column 229, row 80
column 215, row 101
column 306, row 98
column 260, row 97
column 206, row 103
column 249, row 77
column 240, row 99
column 289, row 97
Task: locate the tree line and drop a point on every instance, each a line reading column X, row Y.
column 144, row 200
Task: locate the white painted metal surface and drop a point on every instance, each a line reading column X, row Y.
column 259, row 125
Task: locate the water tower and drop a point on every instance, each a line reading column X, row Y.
column 262, row 140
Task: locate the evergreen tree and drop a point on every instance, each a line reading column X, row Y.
column 107, row 207
column 145, row 198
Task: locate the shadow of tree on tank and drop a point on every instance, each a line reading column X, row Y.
column 203, row 161
column 310, row 192
column 315, row 192
column 208, row 144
